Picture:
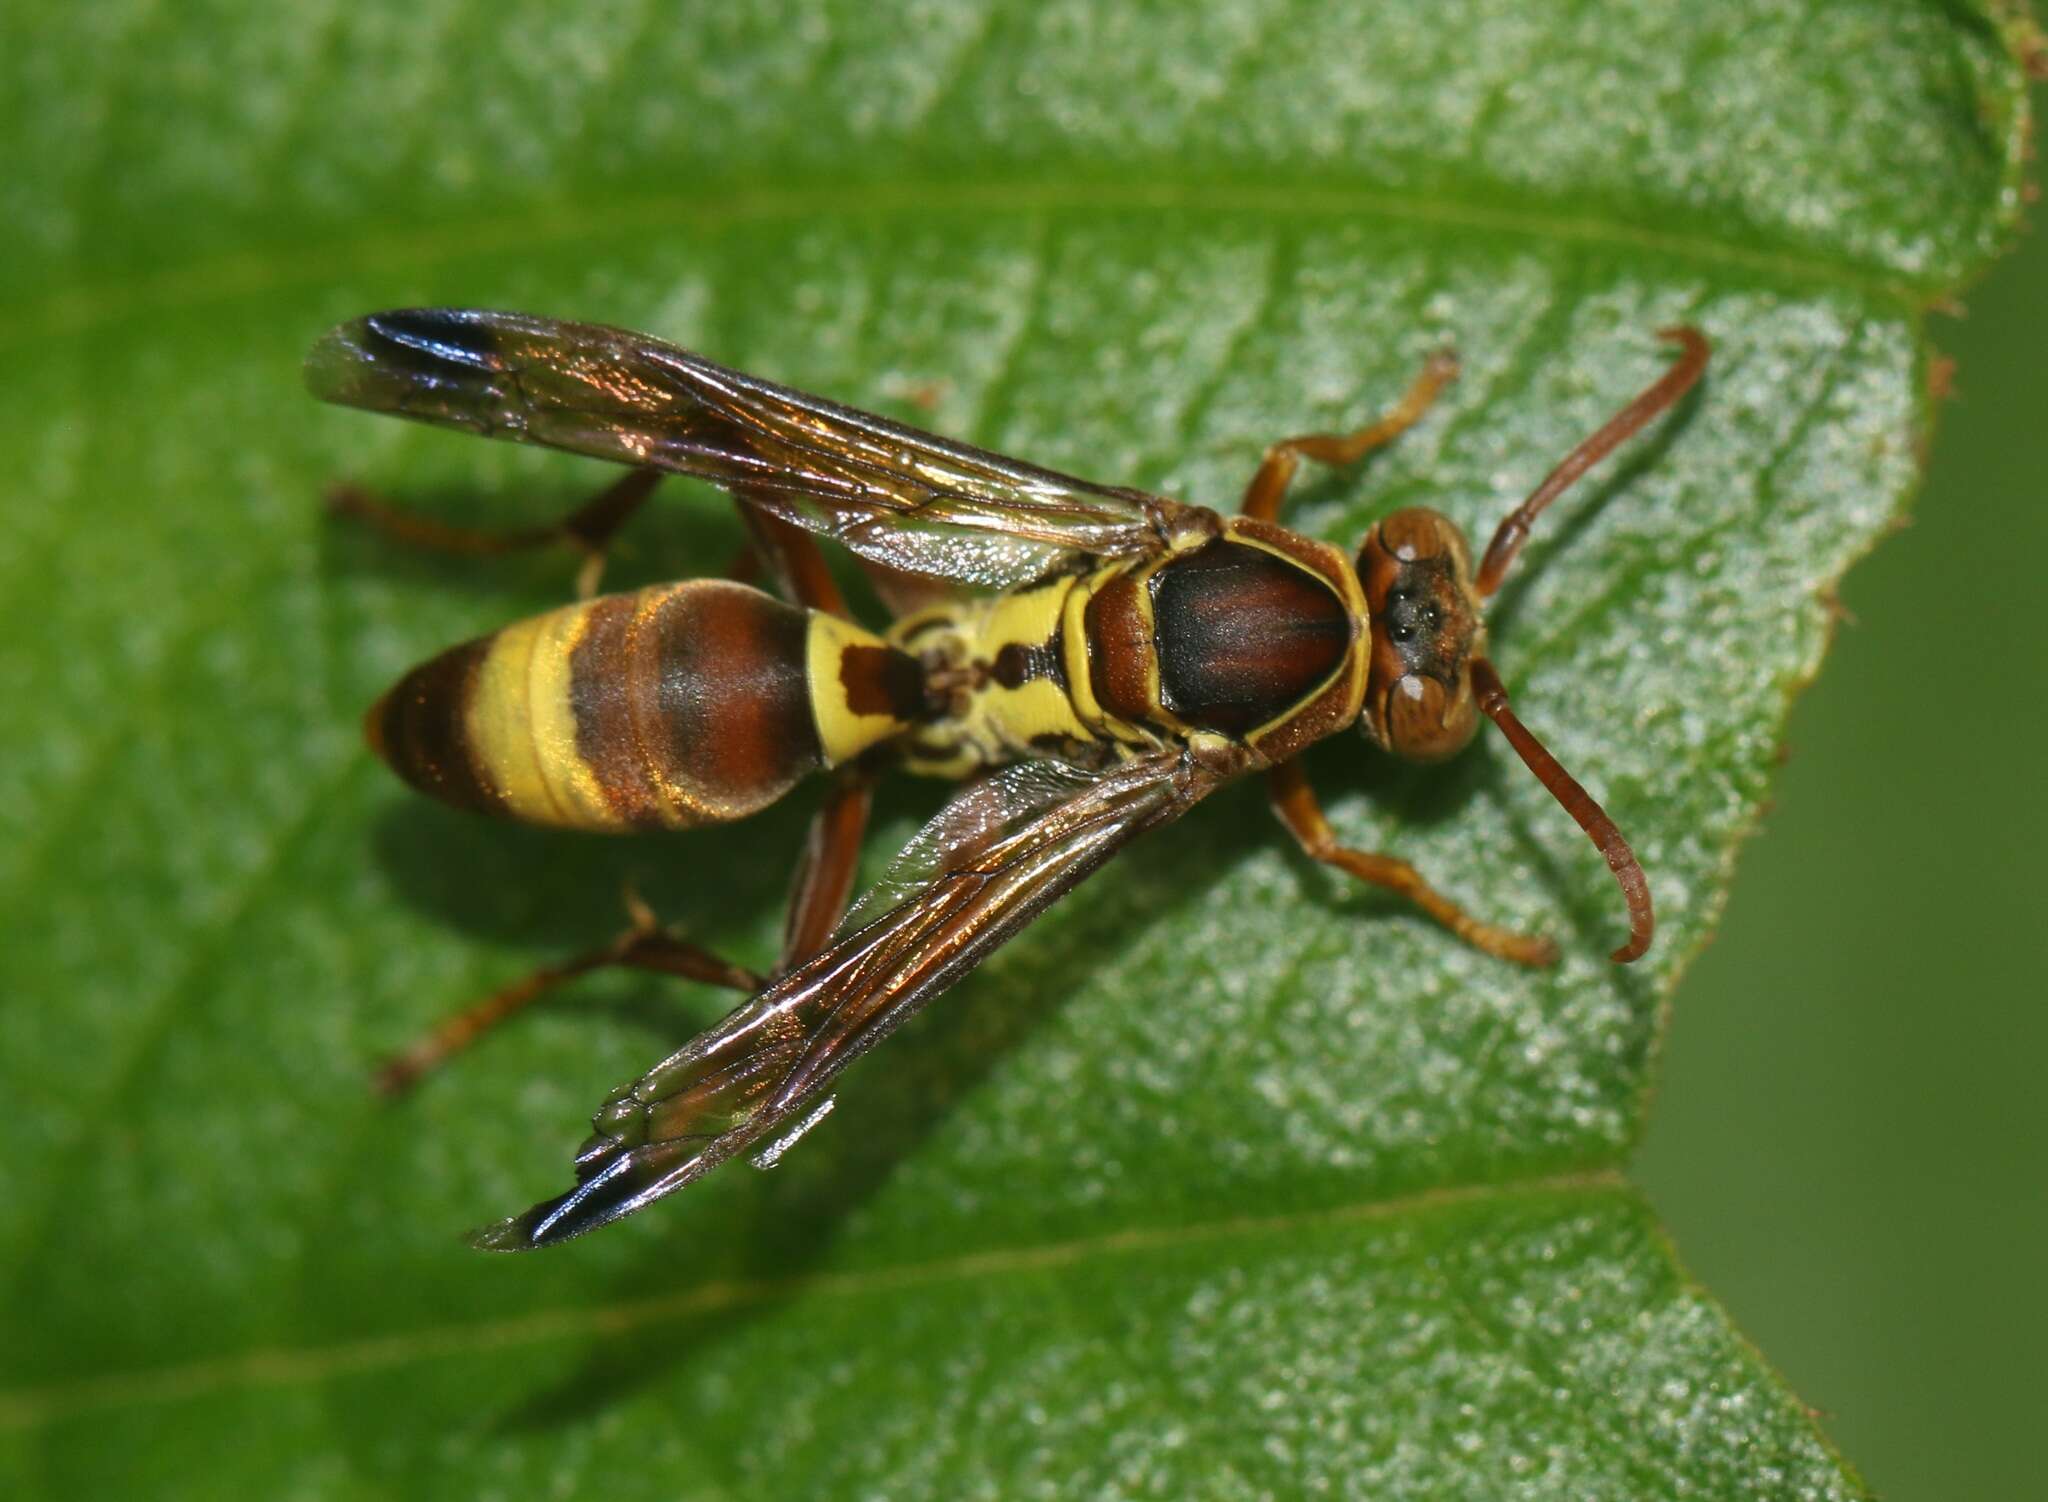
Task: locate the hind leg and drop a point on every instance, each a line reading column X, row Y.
column 589, row 528
column 644, row 945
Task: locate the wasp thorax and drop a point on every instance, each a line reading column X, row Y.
column 1426, row 628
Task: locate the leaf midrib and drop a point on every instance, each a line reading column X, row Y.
column 82, row 307
column 45, row 1404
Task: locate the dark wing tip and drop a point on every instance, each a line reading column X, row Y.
column 622, row 1185
column 525, row 1233
column 584, row 1208
column 362, row 361
column 514, row 1234
column 463, row 338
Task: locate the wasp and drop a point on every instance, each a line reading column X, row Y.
column 1119, row 657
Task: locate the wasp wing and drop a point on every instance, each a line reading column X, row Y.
column 997, row 856
column 891, row 493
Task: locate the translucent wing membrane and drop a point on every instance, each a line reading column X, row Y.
column 978, row 813
column 890, row 493
column 997, row 856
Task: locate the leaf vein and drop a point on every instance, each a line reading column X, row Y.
column 41, row 1406
column 83, row 307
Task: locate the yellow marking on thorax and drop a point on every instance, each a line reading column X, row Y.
column 1019, row 715
column 1011, row 718
column 522, row 727
column 1028, row 617
column 1074, row 645
column 843, row 732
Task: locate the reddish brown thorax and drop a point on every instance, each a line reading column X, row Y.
column 1426, row 629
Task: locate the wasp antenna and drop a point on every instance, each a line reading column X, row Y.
column 1656, row 398
column 1591, row 817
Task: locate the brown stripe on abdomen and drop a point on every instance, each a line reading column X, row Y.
column 420, row 729
column 691, row 704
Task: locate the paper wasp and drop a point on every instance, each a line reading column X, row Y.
column 1128, row 655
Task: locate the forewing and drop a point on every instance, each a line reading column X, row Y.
column 998, row 855
column 891, row 493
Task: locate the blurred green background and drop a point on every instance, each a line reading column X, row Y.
column 1848, row 1139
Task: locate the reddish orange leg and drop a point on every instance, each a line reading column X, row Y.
column 824, row 875
column 589, row 528
column 791, row 557
column 831, row 855
column 905, row 593
column 645, row 945
column 1295, row 802
column 1268, row 488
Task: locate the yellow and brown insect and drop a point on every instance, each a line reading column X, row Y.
column 1126, row 656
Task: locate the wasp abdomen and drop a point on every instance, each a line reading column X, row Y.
column 677, row 705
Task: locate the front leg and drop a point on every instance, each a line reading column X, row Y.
column 1268, row 488
column 1295, row 802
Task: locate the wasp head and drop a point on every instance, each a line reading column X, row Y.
column 1426, row 629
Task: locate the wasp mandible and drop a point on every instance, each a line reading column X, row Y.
column 1126, row 655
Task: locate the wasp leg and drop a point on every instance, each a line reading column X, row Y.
column 792, row 559
column 903, row 592
column 1295, row 802
column 823, row 885
column 589, row 528
column 1268, row 488
column 644, row 945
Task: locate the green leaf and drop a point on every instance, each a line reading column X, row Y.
column 1226, row 1178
